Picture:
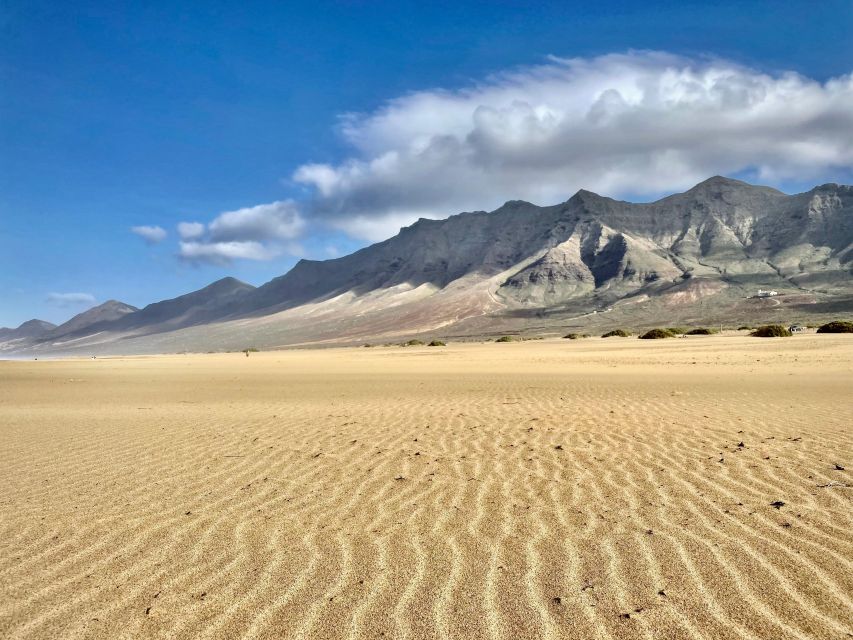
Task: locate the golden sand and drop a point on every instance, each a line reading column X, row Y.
column 589, row 489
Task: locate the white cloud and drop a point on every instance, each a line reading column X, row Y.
column 635, row 123
column 261, row 232
column 70, row 299
column 274, row 221
column 151, row 234
column 224, row 252
column 190, row 230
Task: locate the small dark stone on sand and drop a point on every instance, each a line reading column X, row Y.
column 741, row 444
column 662, row 593
column 147, row 611
column 399, row 478
column 626, row 616
column 188, row 513
column 838, row 467
column 556, row 600
column 778, row 504
column 559, row 447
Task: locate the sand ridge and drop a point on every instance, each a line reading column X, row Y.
column 554, row 489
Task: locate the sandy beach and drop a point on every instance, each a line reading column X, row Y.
column 682, row 488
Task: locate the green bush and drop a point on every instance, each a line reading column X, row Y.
column 677, row 330
column 837, row 326
column 367, row 346
column 506, row 339
column 771, row 331
column 436, row 343
column 701, row 331
column 250, row 350
column 571, row 336
column 618, row 333
column 657, row 334
column 745, row 327
column 413, row 343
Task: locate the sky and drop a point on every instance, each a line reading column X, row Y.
column 148, row 149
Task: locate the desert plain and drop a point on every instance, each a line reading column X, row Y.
column 682, row 488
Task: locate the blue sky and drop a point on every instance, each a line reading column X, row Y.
column 121, row 115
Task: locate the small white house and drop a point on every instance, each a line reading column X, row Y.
column 766, row 294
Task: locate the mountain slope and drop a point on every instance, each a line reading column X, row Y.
column 592, row 243
column 108, row 311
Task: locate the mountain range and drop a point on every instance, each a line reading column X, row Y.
column 588, row 263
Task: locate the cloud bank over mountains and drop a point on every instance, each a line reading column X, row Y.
column 638, row 123
column 630, row 124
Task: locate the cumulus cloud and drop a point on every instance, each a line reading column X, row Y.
column 261, row 232
column 70, row 299
column 151, row 234
column 634, row 123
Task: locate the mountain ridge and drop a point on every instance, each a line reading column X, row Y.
column 715, row 242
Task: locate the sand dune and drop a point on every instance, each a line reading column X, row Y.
column 590, row 489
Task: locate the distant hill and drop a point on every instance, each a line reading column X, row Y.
column 114, row 318
column 107, row 312
column 697, row 256
column 29, row 329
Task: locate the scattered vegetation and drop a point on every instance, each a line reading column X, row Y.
column 506, row 339
column 657, row 334
column 413, row 343
column 617, row 333
column 677, row 330
column 572, row 336
column 745, row 328
column 367, row 345
column 437, row 343
column 771, row 331
column 701, row 331
column 837, row 326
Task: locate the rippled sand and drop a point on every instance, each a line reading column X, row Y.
column 591, row 489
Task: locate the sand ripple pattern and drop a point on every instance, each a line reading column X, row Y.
column 490, row 491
